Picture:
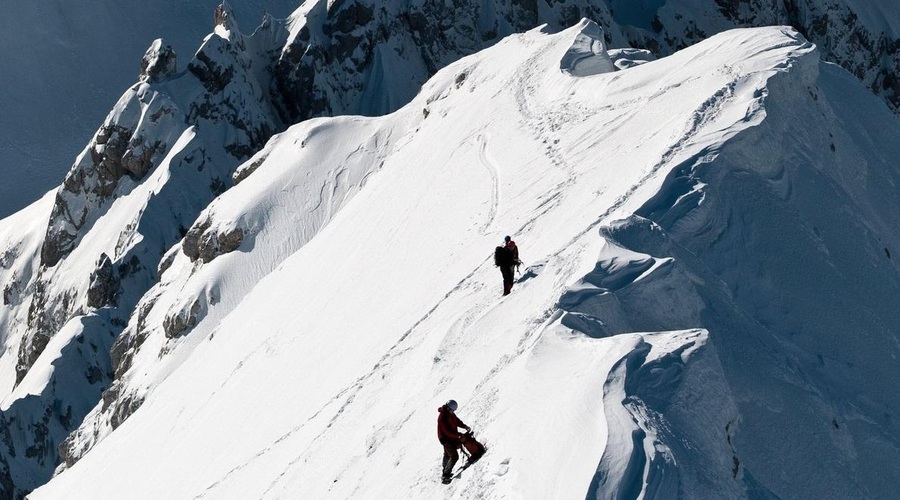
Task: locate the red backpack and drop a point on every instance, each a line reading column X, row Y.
column 473, row 447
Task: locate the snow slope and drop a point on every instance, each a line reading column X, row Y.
column 689, row 321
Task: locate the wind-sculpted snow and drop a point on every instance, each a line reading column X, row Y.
column 642, row 351
column 588, row 55
column 667, row 408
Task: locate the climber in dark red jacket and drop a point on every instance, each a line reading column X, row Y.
column 449, row 436
column 508, row 259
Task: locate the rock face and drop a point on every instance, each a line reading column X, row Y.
column 104, row 284
column 158, row 63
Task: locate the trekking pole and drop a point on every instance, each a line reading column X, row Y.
column 466, row 454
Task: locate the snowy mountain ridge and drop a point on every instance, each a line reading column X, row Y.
column 694, row 155
column 126, row 221
column 94, row 50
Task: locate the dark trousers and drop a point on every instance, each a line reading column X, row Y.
column 508, row 275
column 450, row 458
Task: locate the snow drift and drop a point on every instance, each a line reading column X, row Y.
column 691, row 320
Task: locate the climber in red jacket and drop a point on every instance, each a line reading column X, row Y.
column 449, row 436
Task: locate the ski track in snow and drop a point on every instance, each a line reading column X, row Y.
column 348, row 394
column 491, row 167
column 534, row 118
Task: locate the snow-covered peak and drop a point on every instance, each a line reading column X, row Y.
column 159, row 62
column 225, row 22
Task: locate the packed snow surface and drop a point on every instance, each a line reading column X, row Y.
column 626, row 362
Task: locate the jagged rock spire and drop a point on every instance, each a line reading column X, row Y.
column 224, row 20
column 158, row 63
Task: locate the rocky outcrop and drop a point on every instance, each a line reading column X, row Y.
column 104, row 284
column 205, row 244
column 118, row 149
column 180, row 321
column 158, row 63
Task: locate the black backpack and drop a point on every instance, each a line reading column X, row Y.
column 502, row 256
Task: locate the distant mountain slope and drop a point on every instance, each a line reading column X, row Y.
column 64, row 64
column 690, row 321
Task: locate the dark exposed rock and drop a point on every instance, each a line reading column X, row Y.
column 345, row 15
column 104, row 284
column 222, row 16
column 214, row 244
column 8, row 256
column 165, row 263
column 212, row 75
column 191, row 244
column 245, row 171
column 59, row 239
column 122, row 351
column 205, row 245
column 114, row 153
column 29, row 351
column 158, row 63
column 12, row 291
column 181, row 321
column 124, row 409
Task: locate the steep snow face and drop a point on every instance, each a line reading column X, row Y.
column 657, row 343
